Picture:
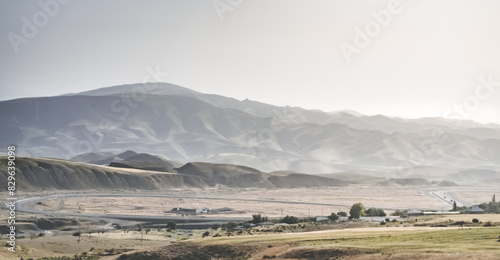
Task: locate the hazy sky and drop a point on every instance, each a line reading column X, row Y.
column 423, row 59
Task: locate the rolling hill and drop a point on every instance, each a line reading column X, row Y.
column 37, row 174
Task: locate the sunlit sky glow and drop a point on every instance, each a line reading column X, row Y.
column 427, row 59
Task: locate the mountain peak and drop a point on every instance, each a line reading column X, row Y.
column 155, row 88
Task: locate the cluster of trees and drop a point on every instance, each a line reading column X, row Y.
column 488, row 207
column 398, row 212
column 492, row 206
column 333, row 217
column 290, row 220
column 375, row 212
column 256, row 219
column 358, row 210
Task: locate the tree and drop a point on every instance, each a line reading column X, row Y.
column 484, row 206
column 78, row 234
column 375, row 212
column 171, row 225
column 493, row 198
column 229, row 226
column 215, row 226
column 139, row 228
column 494, row 208
column 258, row 219
column 398, row 212
column 289, row 220
column 333, row 217
column 357, row 210
column 454, row 206
column 342, row 214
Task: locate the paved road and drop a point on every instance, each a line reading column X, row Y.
column 443, row 197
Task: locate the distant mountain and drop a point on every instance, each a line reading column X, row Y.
column 185, row 126
column 102, row 158
column 145, row 162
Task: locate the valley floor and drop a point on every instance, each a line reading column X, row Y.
column 428, row 237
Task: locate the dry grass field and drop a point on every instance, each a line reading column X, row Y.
column 360, row 243
column 413, row 239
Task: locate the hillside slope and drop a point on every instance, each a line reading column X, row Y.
column 36, row 174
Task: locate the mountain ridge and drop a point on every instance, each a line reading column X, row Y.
column 184, row 125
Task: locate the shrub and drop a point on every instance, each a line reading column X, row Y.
column 357, row 210
column 229, row 226
column 398, row 212
column 258, row 218
column 489, row 224
column 333, row 217
column 215, row 226
column 289, row 220
column 475, row 220
column 375, row 212
column 171, row 225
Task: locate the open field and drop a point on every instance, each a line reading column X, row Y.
column 417, row 237
column 363, row 243
column 393, row 241
column 495, row 218
column 300, row 202
column 111, row 243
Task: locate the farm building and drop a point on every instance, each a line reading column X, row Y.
column 412, row 212
column 320, row 218
column 474, row 210
column 225, row 209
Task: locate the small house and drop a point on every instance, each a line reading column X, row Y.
column 474, row 210
column 320, row 219
column 412, row 212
